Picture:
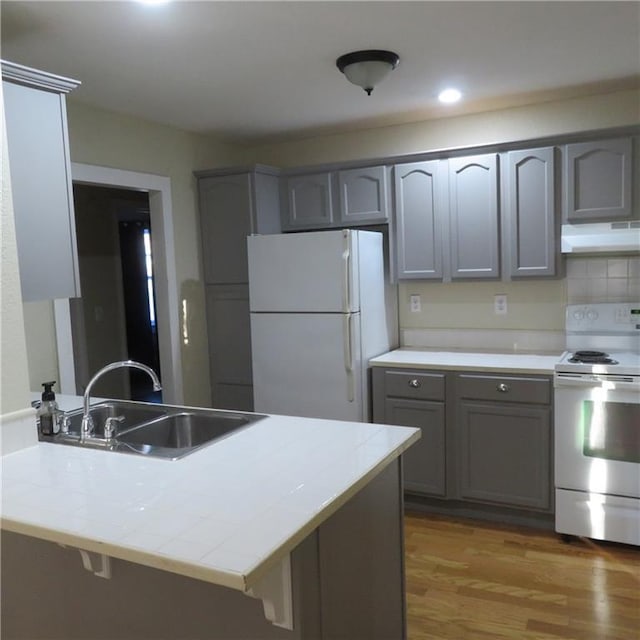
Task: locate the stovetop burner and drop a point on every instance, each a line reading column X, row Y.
column 592, row 357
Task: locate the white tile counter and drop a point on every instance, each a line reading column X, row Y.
column 225, row 514
column 468, row 360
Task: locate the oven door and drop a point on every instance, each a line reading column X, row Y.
column 597, row 433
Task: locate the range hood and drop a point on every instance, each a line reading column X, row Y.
column 601, row 237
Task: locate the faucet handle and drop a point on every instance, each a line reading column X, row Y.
column 110, row 426
column 64, row 422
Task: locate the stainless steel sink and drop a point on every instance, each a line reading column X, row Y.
column 157, row 430
column 177, row 434
column 133, row 414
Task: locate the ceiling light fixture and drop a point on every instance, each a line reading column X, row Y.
column 449, row 96
column 367, row 68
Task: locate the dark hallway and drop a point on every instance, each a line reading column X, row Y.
column 115, row 319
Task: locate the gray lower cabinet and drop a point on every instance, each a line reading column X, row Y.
column 415, row 399
column 347, row 583
column 234, row 203
column 41, row 186
column 486, row 438
column 503, row 431
column 598, row 180
column 530, row 238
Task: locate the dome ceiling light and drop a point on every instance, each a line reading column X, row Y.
column 367, row 68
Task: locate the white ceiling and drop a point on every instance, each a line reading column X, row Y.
column 266, row 70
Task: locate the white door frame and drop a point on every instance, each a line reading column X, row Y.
column 164, row 264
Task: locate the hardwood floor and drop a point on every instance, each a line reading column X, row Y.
column 468, row 580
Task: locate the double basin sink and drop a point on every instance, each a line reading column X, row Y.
column 157, row 430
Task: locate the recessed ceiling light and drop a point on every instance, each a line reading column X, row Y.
column 152, row 2
column 448, row 96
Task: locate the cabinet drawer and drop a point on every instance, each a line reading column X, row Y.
column 414, row 384
column 504, row 389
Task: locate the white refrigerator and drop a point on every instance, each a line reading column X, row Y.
column 321, row 307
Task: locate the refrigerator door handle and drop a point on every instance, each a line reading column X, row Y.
column 346, row 271
column 348, row 356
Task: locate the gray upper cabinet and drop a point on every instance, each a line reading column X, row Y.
column 597, row 179
column 335, row 199
column 225, row 222
column 473, row 222
column 38, row 147
column 529, row 221
column 421, row 210
column 447, row 218
column 309, row 202
column 232, row 206
column 363, row 196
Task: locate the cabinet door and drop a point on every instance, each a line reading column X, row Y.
column 473, row 231
column 266, row 214
column 363, row 196
column 229, row 333
column 504, row 454
column 530, row 213
column 225, row 221
column 310, row 202
column 424, row 462
column 597, row 178
column 41, row 189
column 420, row 198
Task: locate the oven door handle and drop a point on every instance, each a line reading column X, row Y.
column 595, row 383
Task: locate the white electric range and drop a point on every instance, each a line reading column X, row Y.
column 597, row 424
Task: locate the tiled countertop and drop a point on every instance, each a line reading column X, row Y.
column 468, row 360
column 226, row 513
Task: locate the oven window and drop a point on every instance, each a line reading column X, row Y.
column 611, row 430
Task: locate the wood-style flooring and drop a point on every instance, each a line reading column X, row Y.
column 470, row 580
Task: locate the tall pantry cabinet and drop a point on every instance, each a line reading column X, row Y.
column 234, row 203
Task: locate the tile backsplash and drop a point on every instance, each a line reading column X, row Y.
column 603, row 279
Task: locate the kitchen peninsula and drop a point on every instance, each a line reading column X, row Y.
column 291, row 511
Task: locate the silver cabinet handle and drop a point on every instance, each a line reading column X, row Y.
column 415, row 383
column 503, row 387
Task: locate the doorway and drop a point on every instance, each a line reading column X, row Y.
column 167, row 301
column 116, row 317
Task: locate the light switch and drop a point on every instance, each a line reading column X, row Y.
column 500, row 304
column 415, row 303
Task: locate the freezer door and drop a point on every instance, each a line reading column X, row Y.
column 307, row 365
column 304, row 272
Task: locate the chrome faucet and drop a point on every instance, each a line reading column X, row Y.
column 87, row 421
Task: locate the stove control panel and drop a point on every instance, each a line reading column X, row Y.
column 605, row 317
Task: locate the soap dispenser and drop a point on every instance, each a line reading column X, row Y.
column 48, row 410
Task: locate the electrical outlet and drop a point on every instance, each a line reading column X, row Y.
column 415, row 303
column 500, row 304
